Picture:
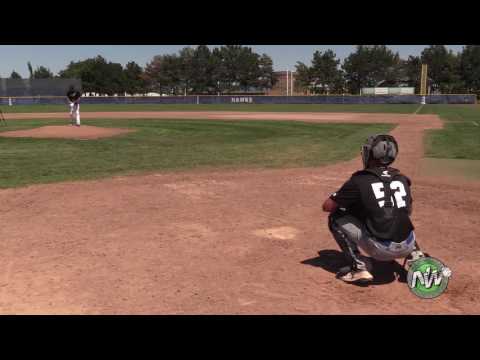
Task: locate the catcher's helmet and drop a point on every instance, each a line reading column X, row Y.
column 381, row 147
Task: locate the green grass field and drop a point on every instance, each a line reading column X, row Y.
column 160, row 145
column 380, row 108
column 460, row 138
column 466, row 169
column 182, row 144
column 455, row 149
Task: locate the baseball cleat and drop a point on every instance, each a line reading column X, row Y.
column 353, row 276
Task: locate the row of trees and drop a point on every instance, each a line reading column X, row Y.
column 235, row 68
column 199, row 70
column 226, row 69
column 41, row 72
column 377, row 65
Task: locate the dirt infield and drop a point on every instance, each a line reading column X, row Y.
column 235, row 242
column 84, row 132
column 225, row 115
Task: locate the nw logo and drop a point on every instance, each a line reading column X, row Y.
column 427, row 279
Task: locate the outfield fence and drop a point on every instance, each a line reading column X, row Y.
column 257, row 99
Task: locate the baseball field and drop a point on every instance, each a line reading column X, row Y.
column 216, row 209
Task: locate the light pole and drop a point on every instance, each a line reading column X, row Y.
column 287, row 82
column 291, row 83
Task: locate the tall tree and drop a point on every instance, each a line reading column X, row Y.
column 303, row 77
column 326, row 75
column 186, row 69
column 219, row 71
column 153, row 74
column 323, row 76
column 266, row 78
column 42, row 72
column 410, row 71
column 87, row 71
column 370, row 65
column 113, row 78
column 238, row 68
column 30, row 69
column 202, row 66
column 443, row 69
column 470, row 68
column 231, row 73
column 97, row 75
column 134, row 80
column 163, row 74
column 15, row 75
column 248, row 67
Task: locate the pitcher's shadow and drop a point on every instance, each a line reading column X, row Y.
column 383, row 272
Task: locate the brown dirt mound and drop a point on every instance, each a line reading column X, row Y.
column 67, row 132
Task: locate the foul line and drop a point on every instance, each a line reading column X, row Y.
column 475, row 123
column 416, row 111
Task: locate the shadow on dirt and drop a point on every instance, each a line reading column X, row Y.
column 383, row 272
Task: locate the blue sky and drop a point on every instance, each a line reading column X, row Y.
column 57, row 57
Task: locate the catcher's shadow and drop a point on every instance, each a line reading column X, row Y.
column 383, row 272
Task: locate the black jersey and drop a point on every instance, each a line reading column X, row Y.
column 74, row 96
column 364, row 196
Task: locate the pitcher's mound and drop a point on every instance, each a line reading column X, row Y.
column 83, row 132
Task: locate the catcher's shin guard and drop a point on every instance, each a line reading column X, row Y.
column 349, row 248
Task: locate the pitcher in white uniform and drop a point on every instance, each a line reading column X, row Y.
column 74, row 101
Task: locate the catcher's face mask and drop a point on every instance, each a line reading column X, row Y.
column 383, row 148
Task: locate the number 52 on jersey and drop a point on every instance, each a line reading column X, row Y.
column 399, row 193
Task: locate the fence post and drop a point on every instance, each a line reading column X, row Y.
column 9, row 101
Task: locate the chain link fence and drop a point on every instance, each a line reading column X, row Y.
column 37, row 87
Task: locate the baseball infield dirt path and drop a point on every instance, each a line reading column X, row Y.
column 225, row 115
column 223, row 242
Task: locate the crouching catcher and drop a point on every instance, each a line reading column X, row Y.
column 371, row 212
